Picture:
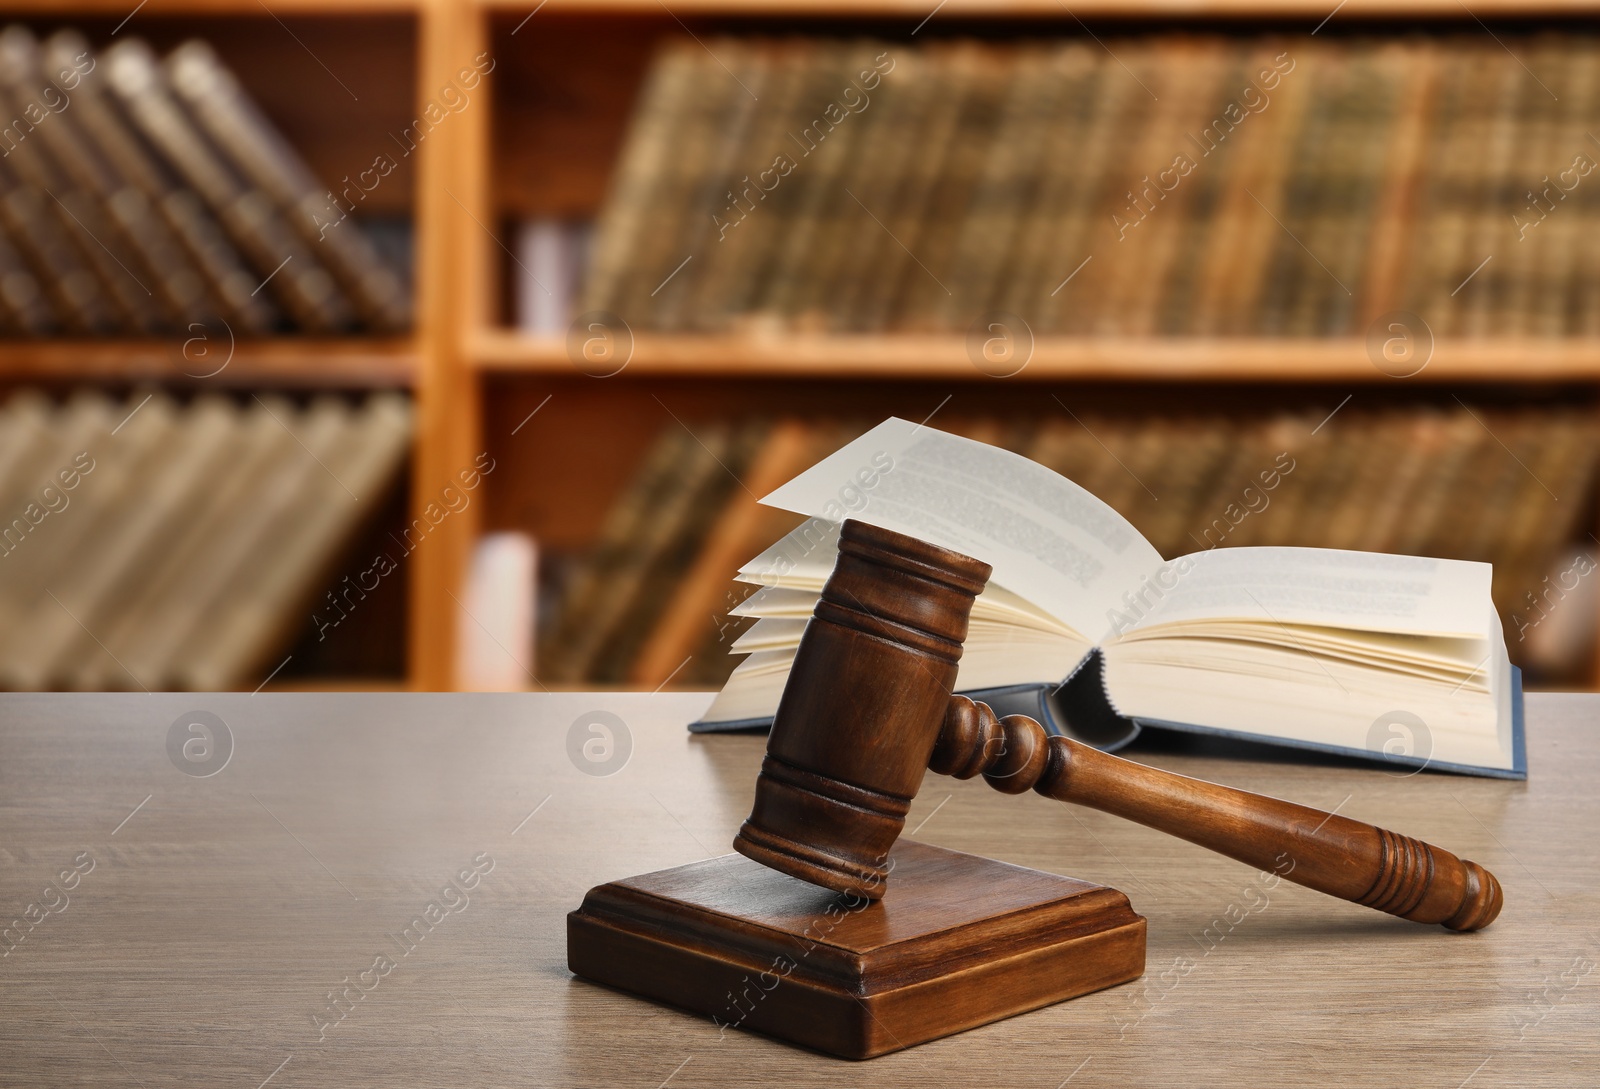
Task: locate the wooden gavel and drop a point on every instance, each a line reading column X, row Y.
column 868, row 707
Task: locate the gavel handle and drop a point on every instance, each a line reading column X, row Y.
column 1323, row 851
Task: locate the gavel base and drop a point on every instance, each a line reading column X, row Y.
column 956, row 942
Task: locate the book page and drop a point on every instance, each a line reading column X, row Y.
column 1049, row 540
column 1371, row 591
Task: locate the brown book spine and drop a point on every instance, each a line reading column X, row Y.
column 632, row 212
column 998, row 202
column 664, row 256
column 1293, row 273
column 205, row 249
column 717, row 184
column 22, row 298
column 1390, row 240
column 868, row 302
column 296, row 278
column 1499, row 173
column 145, row 239
column 920, row 302
column 237, row 126
column 1258, row 156
column 1382, row 86
column 1139, row 288
column 824, row 152
column 566, row 646
column 1167, row 311
column 748, row 226
column 1050, row 248
column 1080, row 229
column 35, row 229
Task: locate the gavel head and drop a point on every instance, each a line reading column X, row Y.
column 863, row 707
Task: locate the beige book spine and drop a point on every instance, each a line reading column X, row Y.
column 367, row 449
column 162, row 490
column 50, row 566
column 313, row 437
column 38, row 443
column 206, row 552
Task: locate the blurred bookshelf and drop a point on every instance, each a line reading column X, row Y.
column 223, row 393
column 540, row 139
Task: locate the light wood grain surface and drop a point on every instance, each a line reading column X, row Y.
column 221, row 912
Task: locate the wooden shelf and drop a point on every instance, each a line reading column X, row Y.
column 283, row 361
column 1315, row 10
column 1060, row 358
column 79, row 9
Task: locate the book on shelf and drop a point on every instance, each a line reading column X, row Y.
column 650, row 539
column 1317, row 648
column 152, row 544
column 550, row 256
column 494, row 652
column 1221, row 184
column 142, row 196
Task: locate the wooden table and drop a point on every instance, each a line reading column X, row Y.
column 213, row 921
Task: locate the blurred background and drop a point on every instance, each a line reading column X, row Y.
column 429, row 344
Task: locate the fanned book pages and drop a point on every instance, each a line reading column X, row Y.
column 1400, row 658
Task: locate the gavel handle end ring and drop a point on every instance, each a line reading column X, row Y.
column 1482, row 903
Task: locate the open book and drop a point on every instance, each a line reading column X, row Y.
column 1397, row 657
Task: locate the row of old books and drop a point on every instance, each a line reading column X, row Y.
column 1168, row 184
column 652, row 600
column 150, row 544
column 140, row 195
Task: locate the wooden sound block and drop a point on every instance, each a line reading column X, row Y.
column 957, row 941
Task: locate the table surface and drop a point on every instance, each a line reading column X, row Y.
column 176, row 928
